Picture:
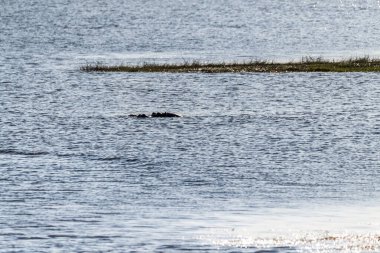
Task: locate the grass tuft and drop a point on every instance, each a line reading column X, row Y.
column 306, row 64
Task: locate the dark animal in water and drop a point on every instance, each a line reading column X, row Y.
column 156, row 115
column 141, row 115
column 164, row 115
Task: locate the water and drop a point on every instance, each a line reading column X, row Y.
column 259, row 162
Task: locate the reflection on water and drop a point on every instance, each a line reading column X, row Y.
column 322, row 229
column 303, row 242
column 78, row 172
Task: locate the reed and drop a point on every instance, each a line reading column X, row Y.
column 306, row 64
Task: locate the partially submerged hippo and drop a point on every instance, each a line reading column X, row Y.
column 156, row 115
column 164, row 115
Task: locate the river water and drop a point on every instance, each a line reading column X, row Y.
column 264, row 162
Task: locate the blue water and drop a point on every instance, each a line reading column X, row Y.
column 258, row 163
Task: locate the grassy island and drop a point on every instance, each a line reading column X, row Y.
column 306, row 64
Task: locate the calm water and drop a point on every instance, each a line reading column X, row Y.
column 259, row 162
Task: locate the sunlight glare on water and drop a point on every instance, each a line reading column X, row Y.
column 322, row 229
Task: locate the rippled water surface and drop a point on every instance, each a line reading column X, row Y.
column 258, row 163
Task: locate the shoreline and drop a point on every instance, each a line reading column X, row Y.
column 306, row 64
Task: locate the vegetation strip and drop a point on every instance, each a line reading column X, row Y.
column 307, row 64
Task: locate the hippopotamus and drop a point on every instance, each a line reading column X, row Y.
column 164, row 115
column 139, row 115
column 156, row 115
